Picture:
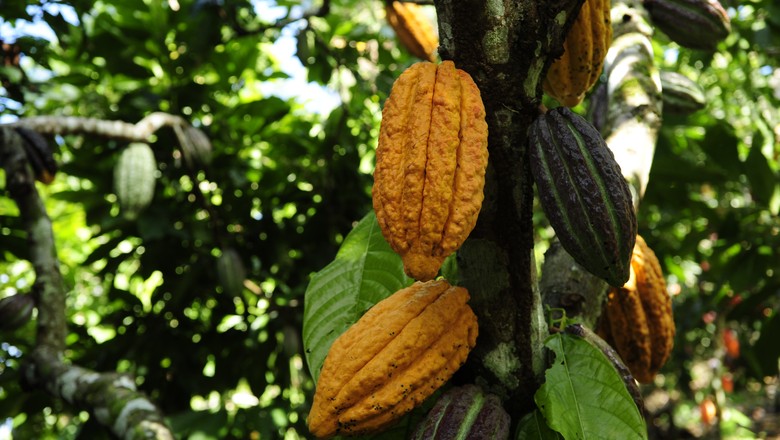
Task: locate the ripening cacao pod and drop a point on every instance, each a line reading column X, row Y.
column 430, row 165
column 681, row 95
column 584, row 195
column 15, row 311
column 393, row 358
column 584, row 49
column 39, row 153
column 134, row 179
column 695, row 24
column 231, row 272
column 465, row 412
column 638, row 319
column 413, row 29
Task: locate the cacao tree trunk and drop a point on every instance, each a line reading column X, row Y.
column 507, row 47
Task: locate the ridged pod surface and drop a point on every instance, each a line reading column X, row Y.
column 584, row 50
column 413, row 29
column 696, row 24
column 681, row 95
column 134, row 179
column 465, row 413
column 584, row 195
column 430, row 165
column 638, row 318
column 393, row 358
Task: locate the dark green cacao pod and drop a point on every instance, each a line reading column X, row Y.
column 696, row 24
column 231, row 272
column 134, row 179
column 681, row 95
column 465, row 412
column 584, row 195
column 15, row 311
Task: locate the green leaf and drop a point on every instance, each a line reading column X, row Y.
column 759, row 173
column 583, row 395
column 365, row 271
column 534, row 427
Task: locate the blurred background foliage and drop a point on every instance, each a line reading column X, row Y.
column 292, row 107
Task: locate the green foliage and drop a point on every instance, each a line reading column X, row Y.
column 583, row 396
column 534, row 427
column 364, row 272
column 284, row 185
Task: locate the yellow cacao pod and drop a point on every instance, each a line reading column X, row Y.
column 430, row 165
column 584, row 50
column 393, row 358
column 638, row 318
column 413, row 29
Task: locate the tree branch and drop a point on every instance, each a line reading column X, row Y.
column 113, row 399
column 139, row 132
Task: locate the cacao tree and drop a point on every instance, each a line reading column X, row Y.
column 209, row 309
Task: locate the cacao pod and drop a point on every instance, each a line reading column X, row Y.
column 134, row 179
column 15, row 311
column 584, row 195
column 413, row 29
column 39, row 153
column 195, row 145
column 695, row 24
column 430, row 165
column 393, row 358
column 231, row 272
column 584, row 49
column 465, row 412
column 681, row 95
column 638, row 319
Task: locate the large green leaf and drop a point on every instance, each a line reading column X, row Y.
column 365, row 271
column 534, row 427
column 583, row 396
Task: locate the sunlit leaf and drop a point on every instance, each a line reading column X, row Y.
column 583, row 396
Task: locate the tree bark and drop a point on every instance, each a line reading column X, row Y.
column 507, row 47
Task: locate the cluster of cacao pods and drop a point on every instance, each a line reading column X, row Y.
column 695, row 24
column 427, row 194
column 637, row 319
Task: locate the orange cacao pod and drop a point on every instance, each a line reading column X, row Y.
column 430, row 165
column 584, row 50
column 413, row 29
column 393, row 358
column 638, row 319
